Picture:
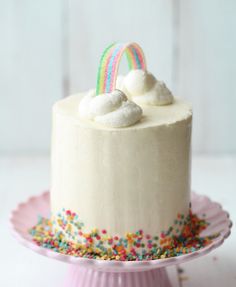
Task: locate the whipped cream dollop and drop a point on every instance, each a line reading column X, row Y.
column 143, row 88
column 112, row 109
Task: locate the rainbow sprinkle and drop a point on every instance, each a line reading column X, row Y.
column 132, row 247
column 110, row 61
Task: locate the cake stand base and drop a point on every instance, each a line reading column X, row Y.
column 89, row 277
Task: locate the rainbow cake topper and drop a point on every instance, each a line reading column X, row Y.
column 110, row 61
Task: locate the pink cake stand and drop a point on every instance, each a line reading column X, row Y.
column 85, row 272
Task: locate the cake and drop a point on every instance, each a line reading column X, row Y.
column 121, row 161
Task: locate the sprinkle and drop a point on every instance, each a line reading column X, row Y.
column 162, row 235
column 61, row 235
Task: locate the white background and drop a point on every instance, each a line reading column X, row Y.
column 49, row 49
column 52, row 48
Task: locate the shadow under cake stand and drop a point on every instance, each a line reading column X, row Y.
column 85, row 272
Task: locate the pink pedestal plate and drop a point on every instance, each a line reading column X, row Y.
column 99, row 273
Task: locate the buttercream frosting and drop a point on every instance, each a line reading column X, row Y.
column 111, row 109
column 122, row 180
column 143, row 88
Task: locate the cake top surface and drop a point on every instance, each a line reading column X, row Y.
column 178, row 111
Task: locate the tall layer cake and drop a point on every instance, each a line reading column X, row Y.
column 121, row 161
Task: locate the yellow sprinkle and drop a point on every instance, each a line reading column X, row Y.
column 95, row 230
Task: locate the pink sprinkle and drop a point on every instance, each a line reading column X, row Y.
column 132, row 250
column 149, row 245
column 104, row 231
column 148, row 236
column 98, row 237
column 162, row 235
column 68, row 212
column 116, row 238
column 80, row 233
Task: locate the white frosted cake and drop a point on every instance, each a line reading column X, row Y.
column 121, row 162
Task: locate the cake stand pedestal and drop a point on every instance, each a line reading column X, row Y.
column 87, row 277
column 85, row 272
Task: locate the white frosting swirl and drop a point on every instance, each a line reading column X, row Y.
column 143, row 88
column 112, row 110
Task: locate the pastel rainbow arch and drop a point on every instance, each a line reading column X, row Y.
column 110, row 61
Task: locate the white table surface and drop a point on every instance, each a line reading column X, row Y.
column 22, row 176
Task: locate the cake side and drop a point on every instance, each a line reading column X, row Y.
column 122, row 180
